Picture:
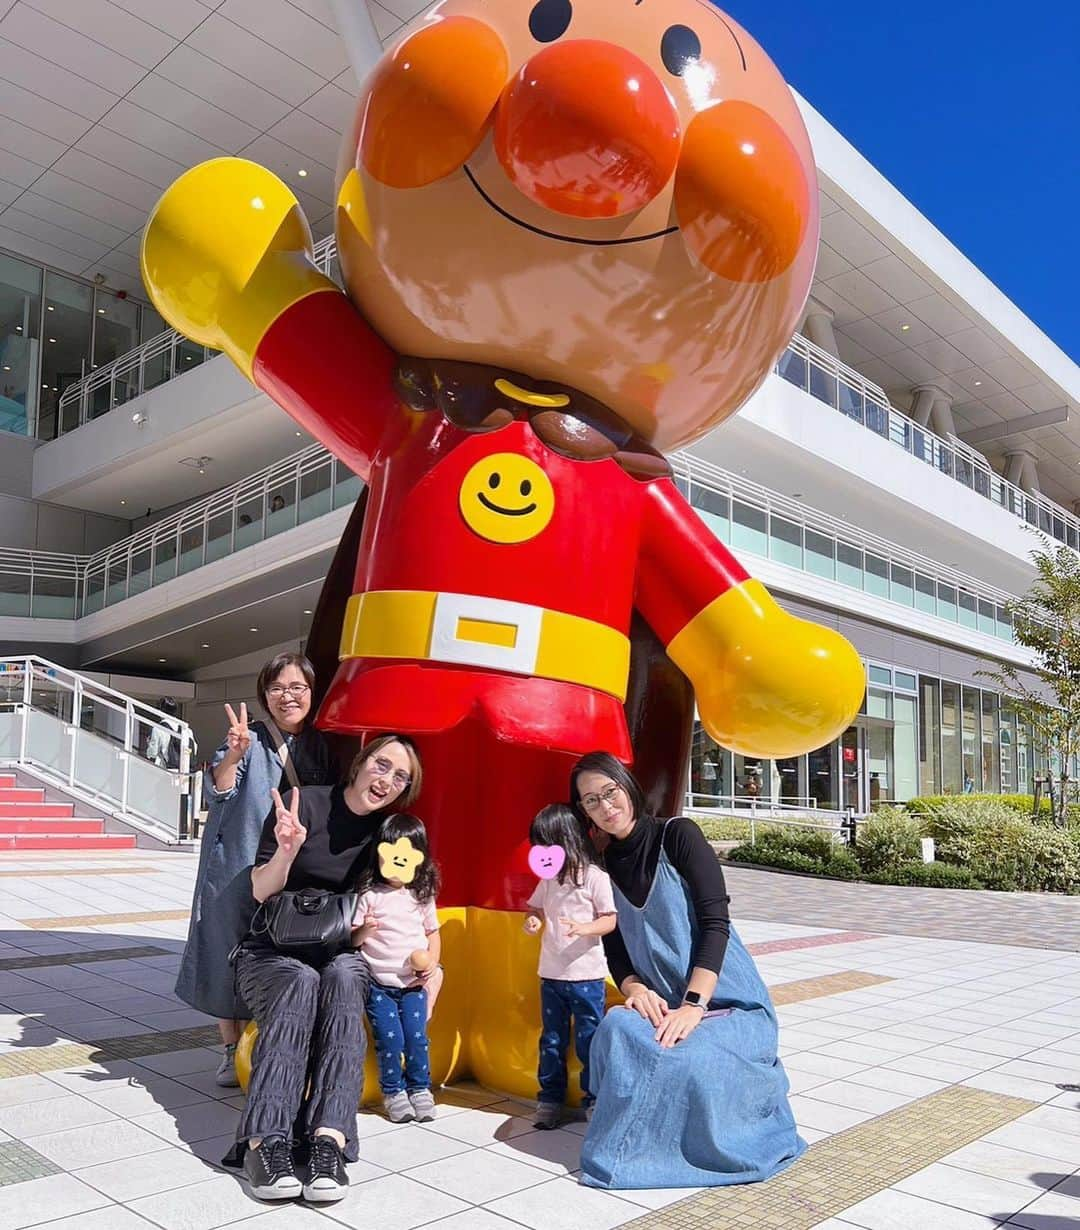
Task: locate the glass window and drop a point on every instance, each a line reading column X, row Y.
column 876, row 580
column 116, row 331
column 952, row 759
column 713, row 508
column 905, row 759
column 904, row 681
column 968, row 610
column 990, row 743
column 946, row 602
column 929, row 735
column 748, row 528
column 987, row 621
column 902, row 589
column 925, row 599
column 1023, row 758
column 150, row 324
column 20, row 307
column 822, row 385
column 1004, row 624
column 879, row 703
column 849, row 565
column 1007, row 740
column 879, row 674
column 821, row 776
column 65, row 343
column 972, row 758
column 785, row 542
column 792, row 367
column 851, row 402
column 820, row 555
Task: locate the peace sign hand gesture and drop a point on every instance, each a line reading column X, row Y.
column 239, row 737
column 289, row 833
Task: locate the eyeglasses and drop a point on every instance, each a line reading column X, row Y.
column 592, row 801
column 382, row 766
column 296, row 690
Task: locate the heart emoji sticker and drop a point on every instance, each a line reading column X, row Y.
column 546, row 861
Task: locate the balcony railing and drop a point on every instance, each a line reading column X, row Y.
column 153, row 363
column 750, row 518
column 823, row 376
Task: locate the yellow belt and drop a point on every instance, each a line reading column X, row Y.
column 486, row 632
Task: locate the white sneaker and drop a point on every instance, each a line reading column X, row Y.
column 225, row 1076
column 398, row 1107
column 548, row 1115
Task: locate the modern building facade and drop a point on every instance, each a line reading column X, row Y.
column 171, row 527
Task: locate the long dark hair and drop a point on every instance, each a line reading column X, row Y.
column 609, row 766
column 558, row 825
column 425, row 884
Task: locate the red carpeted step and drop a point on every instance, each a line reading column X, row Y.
column 67, row 841
column 20, row 794
column 7, row 781
column 25, row 811
column 46, row 827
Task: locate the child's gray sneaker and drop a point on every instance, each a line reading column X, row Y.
column 547, row 1116
column 423, row 1105
column 398, row 1107
column 226, row 1073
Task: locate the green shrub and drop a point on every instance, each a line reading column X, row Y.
column 1020, row 803
column 927, row 875
column 887, row 839
column 799, row 850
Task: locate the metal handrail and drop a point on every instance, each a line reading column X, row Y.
column 23, row 677
column 126, row 377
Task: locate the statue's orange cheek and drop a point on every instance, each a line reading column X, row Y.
column 431, row 102
column 742, row 193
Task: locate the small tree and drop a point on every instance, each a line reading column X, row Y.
column 1046, row 620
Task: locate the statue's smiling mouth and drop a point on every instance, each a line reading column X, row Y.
column 536, row 230
column 506, row 512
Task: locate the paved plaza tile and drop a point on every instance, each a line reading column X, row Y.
column 925, row 1034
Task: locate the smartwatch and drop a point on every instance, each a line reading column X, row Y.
column 694, row 999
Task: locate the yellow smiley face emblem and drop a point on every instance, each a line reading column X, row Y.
column 506, row 498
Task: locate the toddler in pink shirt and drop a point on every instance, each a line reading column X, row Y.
column 574, row 908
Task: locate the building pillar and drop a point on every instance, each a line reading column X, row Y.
column 817, row 326
column 933, row 408
column 357, row 29
column 1021, row 469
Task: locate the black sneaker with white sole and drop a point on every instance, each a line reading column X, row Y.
column 269, row 1171
column 327, row 1179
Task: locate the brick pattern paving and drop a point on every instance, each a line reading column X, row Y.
column 18, row 1162
column 53, row 1058
column 40, row 960
column 104, row 920
column 1029, row 920
column 848, row 1167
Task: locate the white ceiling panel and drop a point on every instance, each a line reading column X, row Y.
column 894, row 320
column 406, row 10
column 8, row 192
column 48, row 232
column 151, row 131
column 851, row 239
column 122, row 263
column 937, row 312
column 842, row 310
column 894, row 275
column 71, row 220
column 88, row 200
column 387, row 24
column 867, row 296
column 312, row 41
column 974, row 414
column 884, row 375
column 255, row 60
column 331, row 106
column 976, row 345
column 346, row 80
column 872, row 337
column 1009, row 372
column 35, row 249
column 38, row 114
column 104, row 23
column 177, row 18
column 914, row 367
column 975, row 381
column 829, row 263
column 308, row 137
column 189, row 111
column 50, row 81
column 1038, row 397
column 944, row 357
column 138, row 160
column 826, row 203
column 1006, row 405
column 850, row 350
column 222, row 87
column 18, row 170
column 60, row 44
column 34, row 146
column 112, row 182
column 315, row 191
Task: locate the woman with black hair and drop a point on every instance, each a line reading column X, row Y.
column 398, row 930
column 689, row 1089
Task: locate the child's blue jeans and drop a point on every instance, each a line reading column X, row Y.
column 398, row 1017
column 559, row 1003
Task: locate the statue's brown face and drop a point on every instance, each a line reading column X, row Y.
column 615, row 196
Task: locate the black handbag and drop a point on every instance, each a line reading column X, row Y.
column 312, row 924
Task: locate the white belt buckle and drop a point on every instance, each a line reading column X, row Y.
column 447, row 645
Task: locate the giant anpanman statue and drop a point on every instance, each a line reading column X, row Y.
column 572, row 236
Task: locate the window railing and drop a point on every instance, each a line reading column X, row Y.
column 94, row 741
column 823, row 376
column 755, row 521
column 748, row 517
column 156, row 361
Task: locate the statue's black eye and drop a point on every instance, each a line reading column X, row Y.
column 549, row 20
column 494, row 480
column 526, row 486
column 679, row 48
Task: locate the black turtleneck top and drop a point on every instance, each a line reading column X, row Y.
column 632, row 864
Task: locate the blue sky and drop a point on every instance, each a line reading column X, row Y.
column 971, row 109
